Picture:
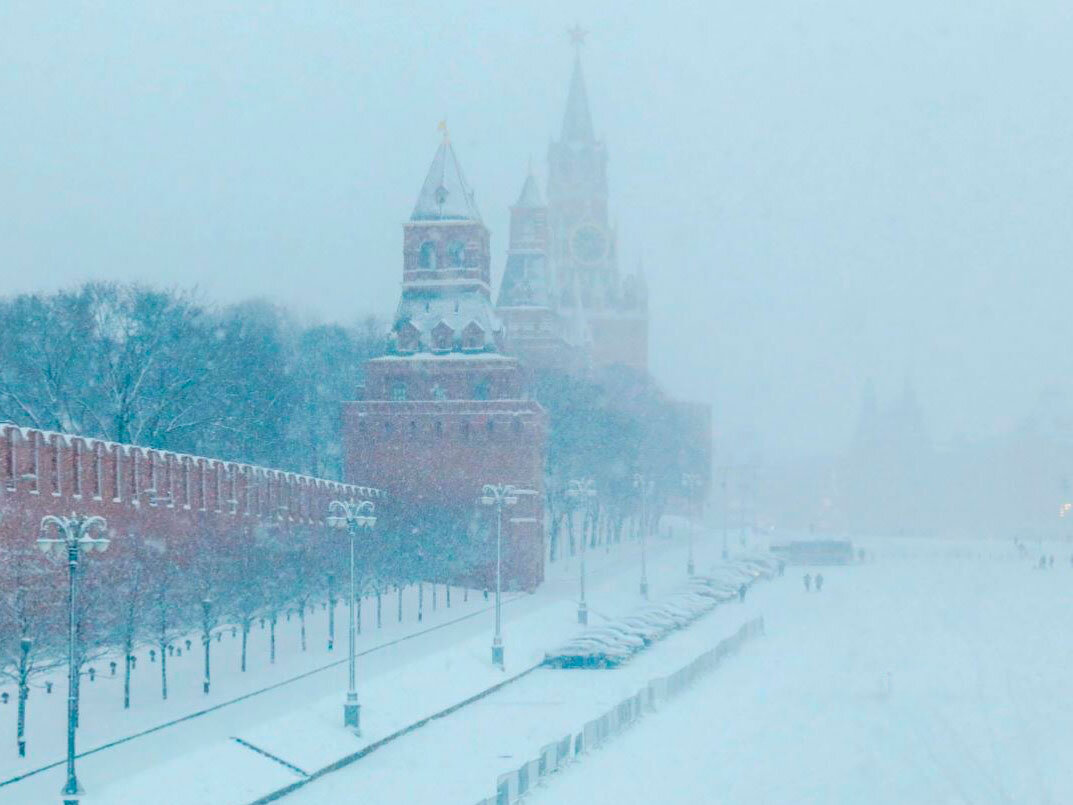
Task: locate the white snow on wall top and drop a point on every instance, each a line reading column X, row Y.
column 7, row 431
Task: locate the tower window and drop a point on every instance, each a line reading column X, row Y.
column 456, row 254
column 426, row 257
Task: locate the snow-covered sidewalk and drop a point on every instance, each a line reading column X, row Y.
column 403, row 682
column 459, row 758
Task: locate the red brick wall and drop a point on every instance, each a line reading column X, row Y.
column 51, row 473
column 441, row 452
column 474, row 236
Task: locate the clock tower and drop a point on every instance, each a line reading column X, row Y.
column 582, row 244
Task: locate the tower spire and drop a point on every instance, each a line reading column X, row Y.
column 577, row 122
column 445, row 194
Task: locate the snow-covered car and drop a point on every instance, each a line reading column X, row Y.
column 620, row 633
column 648, row 631
column 587, row 653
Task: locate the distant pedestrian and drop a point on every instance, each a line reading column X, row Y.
column 741, row 593
column 485, row 593
column 819, row 582
column 1043, row 563
column 808, row 582
column 1050, row 561
column 782, row 567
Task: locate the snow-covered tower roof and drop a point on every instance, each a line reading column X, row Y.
column 530, row 197
column 445, row 195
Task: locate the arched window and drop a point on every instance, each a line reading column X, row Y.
column 426, row 257
column 490, row 426
column 516, row 425
column 456, row 254
column 482, row 389
column 398, row 391
column 437, row 428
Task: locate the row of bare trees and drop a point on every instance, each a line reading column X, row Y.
column 153, row 596
column 607, row 425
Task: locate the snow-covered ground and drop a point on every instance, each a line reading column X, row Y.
column 933, row 673
column 104, row 719
column 399, row 682
column 977, row 649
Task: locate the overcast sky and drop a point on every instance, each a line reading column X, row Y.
column 820, row 191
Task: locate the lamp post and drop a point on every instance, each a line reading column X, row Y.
column 74, row 535
column 206, row 637
column 355, row 518
column 498, row 495
column 725, row 504
column 692, row 484
column 580, row 493
column 25, row 645
column 644, row 487
column 331, row 612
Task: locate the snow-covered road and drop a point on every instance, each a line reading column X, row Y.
column 978, row 653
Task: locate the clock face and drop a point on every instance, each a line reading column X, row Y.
column 589, row 244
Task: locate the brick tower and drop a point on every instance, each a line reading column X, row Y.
column 582, row 243
column 541, row 331
column 446, row 411
column 563, row 300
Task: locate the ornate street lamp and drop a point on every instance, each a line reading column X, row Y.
column 581, row 494
column 498, row 495
column 356, row 518
column 644, row 486
column 206, row 636
column 692, row 484
column 74, row 535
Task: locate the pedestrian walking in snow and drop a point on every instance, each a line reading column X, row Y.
column 1050, row 561
column 808, row 582
column 1043, row 563
column 782, row 567
column 819, row 582
column 741, row 593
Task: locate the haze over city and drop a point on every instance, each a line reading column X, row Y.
column 818, row 195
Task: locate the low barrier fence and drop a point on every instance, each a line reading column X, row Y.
column 513, row 785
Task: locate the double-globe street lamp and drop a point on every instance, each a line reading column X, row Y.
column 498, row 495
column 356, row 518
column 644, row 486
column 581, row 493
column 692, row 483
column 74, row 535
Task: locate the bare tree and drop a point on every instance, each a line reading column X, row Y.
column 29, row 630
column 166, row 609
